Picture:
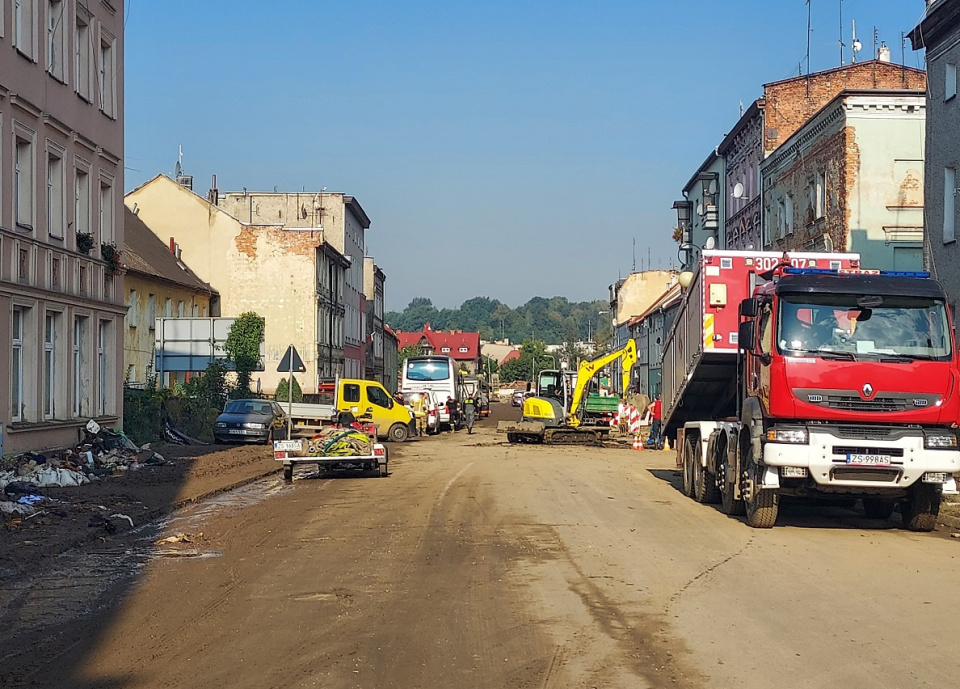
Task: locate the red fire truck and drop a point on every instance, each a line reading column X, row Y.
column 804, row 375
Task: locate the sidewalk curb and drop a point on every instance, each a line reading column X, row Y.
column 949, row 521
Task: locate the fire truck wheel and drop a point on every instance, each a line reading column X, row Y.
column 398, row 432
column 704, row 484
column 731, row 505
column 689, row 443
column 878, row 508
column 921, row 507
column 763, row 505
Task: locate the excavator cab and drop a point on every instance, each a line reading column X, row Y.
column 550, row 403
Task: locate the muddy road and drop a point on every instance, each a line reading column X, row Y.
column 483, row 564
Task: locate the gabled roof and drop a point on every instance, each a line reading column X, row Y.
column 515, row 354
column 438, row 341
column 146, row 254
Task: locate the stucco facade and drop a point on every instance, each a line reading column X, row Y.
column 634, row 294
column 158, row 285
column 851, row 179
column 344, row 224
column 290, row 276
column 61, row 174
column 772, row 119
column 939, row 33
column 373, row 284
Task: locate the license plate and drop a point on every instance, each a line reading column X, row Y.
column 236, row 431
column 287, row 445
column 869, row 460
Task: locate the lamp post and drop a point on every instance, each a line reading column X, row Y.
column 684, row 211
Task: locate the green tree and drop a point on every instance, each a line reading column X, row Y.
column 243, row 347
column 283, row 393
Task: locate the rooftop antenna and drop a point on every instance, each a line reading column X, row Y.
column 903, row 59
column 856, row 46
column 809, row 30
column 841, row 33
column 179, row 169
column 634, row 270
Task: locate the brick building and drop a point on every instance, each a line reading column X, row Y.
column 851, row 179
column 775, row 117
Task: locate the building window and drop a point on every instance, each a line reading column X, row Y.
column 23, row 265
column 79, row 356
column 788, row 211
column 83, row 279
column 151, row 311
column 56, row 40
column 82, row 61
column 55, row 273
column 781, row 219
column 168, row 308
column 949, row 204
column 23, row 182
column 181, row 312
column 49, row 365
column 107, row 72
column 133, row 311
column 16, row 373
column 463, row 350
column 103, row 349
column 107, row 235
column 821, row 195
column 81, row 207
column 24, row 27
column 950, row 84
column 56, row 218
column 445, row 350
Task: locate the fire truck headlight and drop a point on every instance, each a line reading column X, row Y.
column 795, row 435
column 940, row 440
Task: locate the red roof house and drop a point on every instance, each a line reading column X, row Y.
column 460, row 346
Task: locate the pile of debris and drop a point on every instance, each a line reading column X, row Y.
column 102, row 452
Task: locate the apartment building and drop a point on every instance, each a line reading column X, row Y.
column 61, row 202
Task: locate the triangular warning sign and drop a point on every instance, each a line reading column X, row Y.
column 291, row 361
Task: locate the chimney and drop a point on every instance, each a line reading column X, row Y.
column 173, row 246
column 883, row 53
column 213, row 196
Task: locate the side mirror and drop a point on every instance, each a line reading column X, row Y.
column 749, row 308
column 747, row 335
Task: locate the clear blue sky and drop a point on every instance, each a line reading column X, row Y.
column 508, row 149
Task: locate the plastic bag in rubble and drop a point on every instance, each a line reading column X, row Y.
column 93, row 426
column 7, row 507
column 60, row 477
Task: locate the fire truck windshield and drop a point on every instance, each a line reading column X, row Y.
column 849, row 326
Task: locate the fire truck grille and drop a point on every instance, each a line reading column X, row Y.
column 865, row 432
column 873, row 475
column 857, row 450
column 877, row 404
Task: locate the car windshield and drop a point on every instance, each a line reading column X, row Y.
column 249, row 407
column 854, row 326
column 428, row 370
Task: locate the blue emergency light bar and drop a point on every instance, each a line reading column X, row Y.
column 857, row 271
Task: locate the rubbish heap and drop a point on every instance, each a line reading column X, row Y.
column 102, row 452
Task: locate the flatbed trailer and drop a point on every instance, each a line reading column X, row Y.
column 333, row 450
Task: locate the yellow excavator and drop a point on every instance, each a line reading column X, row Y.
column 555, row 416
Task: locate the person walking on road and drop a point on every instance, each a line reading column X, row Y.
column 656, row 421
column 452, row 411
column 420, row 413
column 470, row 404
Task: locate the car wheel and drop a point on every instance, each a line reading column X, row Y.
column 398, row 433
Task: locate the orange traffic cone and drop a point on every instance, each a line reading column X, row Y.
column 637, row 443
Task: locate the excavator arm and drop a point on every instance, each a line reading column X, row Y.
column 588, row 369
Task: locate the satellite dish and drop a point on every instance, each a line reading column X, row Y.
column 712, row 187
column 709, row 244
column 738, row 190
column 857, row 46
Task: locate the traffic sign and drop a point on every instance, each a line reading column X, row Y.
column 291, row 362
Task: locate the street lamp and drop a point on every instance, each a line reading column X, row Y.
column 685, row 251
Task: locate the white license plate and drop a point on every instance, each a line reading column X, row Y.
column 869, row 460
column 287, row 445
column 236, row 431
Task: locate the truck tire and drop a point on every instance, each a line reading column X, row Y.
column 730, row 504
column 763, row 505
column 287, row 472
column 687, row 459
column 878, row 508
column 704, row 484
column 921, row 507
column 398, row 433
column 513, row 438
